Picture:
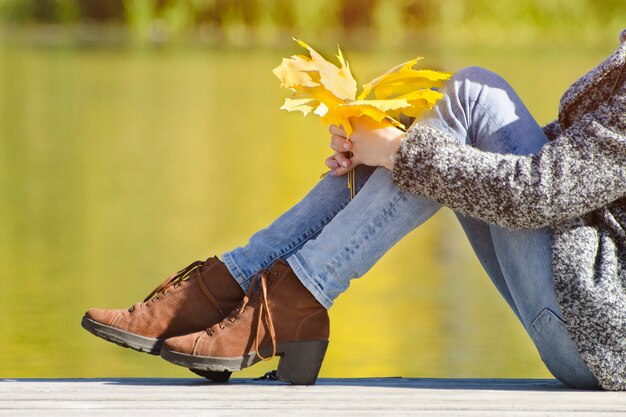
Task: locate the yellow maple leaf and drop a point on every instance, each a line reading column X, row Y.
column 367, row 88
column 375, row 110
column 338, row 81
column 404, row 82
column 305, row 105
column 403, row 75
column 295, row 71
column 321, row 98
column 419, row 100
column 400, row 84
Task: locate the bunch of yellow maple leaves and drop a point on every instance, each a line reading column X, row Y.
column 330, row 92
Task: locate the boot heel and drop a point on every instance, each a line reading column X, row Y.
column 300, row 362
column 215, row 376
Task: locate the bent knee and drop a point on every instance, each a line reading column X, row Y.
column 478, row 75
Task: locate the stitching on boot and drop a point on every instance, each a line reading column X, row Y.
column 197, row 345
column 117, row 316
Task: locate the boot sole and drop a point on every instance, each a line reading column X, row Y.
column 122, row 338
column 299, row 363
column 140, row 344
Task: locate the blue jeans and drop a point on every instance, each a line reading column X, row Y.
column 329, row 240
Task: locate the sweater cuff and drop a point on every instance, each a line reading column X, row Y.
column 552, row 130
column 417, row 156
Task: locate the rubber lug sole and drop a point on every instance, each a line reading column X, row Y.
column 141, row 344
column 123, row 338
column 299, row 363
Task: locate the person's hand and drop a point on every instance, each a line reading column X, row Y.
column 339, row 162
column 369, row 144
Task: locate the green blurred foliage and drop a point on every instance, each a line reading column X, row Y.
column 262, row 21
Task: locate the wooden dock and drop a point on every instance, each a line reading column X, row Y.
column 330, row 397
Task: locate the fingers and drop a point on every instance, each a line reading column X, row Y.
column 340, row 164
column 340, row 144
column 337, row 130
column 332, row 163
column 338, row 160
column 340, row 171
column 336, row 169
column 342, row 160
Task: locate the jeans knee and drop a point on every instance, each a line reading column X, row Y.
column 476, row 74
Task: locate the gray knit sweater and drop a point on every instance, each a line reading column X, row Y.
column 576, row 185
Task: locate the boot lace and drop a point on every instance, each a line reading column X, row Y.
column 183, row 275
column 262, row 314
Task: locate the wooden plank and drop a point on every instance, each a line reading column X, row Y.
column 330, row 397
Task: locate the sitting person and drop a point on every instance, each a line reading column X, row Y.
column 544, row 211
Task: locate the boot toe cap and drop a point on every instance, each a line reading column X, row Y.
column 102, row 316
column 183, row 344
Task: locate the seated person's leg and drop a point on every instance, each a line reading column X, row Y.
column 204, row 293
column 481, row 107
column 289, row 232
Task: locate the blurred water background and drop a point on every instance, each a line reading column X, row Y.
column 137, row 136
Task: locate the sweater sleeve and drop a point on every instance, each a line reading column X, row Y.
column 552, row 130
column 582, row 170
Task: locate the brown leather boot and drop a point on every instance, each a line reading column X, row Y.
column 192, row 299
column 281, row 318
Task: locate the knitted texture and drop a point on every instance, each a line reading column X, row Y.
column 576, row 185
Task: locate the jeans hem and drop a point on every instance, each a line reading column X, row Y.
column 308, row 282
column 235, row 271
